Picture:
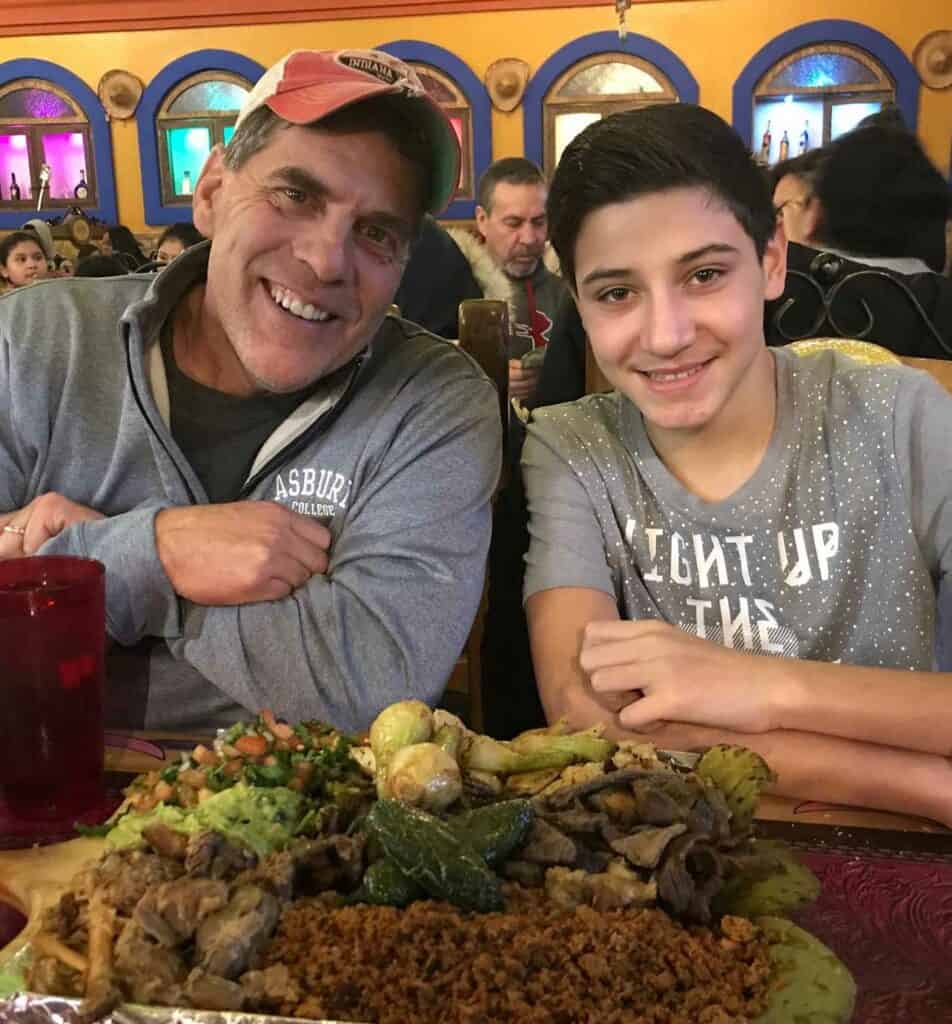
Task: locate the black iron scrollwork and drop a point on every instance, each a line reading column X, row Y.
column 827, row 266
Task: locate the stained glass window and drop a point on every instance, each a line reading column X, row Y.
column 595, row 87
column 197, row 114
column 813, row 96
column 610, row 79
column 209, row 95
column 444, row 91
column 44, row 134
column 35, row 103
column 823, row 71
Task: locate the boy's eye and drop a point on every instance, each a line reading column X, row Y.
column 706, row 275
column 616, row 294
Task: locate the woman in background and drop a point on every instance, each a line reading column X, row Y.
column 119, row 241
column 175, row 239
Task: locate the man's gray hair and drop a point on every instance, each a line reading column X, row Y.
column 251, row 136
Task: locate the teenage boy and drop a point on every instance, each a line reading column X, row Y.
column 737, row 544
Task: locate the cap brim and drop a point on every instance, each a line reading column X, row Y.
column 304, row 106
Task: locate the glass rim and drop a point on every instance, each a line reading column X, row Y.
column 35, row 573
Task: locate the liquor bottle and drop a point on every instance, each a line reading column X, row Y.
column 804, row 138
column 14, row 189
column 82, row 189
column 765, row 146
column 784, row 145
column 186, row 183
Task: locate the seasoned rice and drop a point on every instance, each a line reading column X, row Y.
column 535, row 964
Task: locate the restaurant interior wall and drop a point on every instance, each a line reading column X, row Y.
column 714, row 39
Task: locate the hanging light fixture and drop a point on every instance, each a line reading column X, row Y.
column 621, row 9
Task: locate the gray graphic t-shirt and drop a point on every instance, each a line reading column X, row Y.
column 832, row 550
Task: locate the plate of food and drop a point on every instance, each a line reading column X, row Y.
column 424, row 873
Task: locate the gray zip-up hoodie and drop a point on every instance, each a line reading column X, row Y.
column 400, row 460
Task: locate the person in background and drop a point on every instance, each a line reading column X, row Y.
column 508, row 262
column 290, row 489
column 436, row 280
column 737, row 544
column 22, row 259
column 100, row 265
column 44, row 234
column 872, row 196
column 120, row 242
column 175, row 239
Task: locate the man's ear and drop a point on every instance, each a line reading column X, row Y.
column 811, row 219
column 481, row 217
column 775, row 263
column 206, row 190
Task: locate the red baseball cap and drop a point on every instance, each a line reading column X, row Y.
column 308, row 85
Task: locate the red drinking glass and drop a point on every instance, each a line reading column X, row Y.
column 52, row 678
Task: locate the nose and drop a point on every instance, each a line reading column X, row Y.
column 669, row 324
column 326, row 246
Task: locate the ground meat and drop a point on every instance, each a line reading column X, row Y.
column 533, row 964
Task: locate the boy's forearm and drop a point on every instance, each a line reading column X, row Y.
column 809, row 766
column 911, row 710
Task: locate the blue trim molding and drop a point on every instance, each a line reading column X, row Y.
column 587, row 46
column 826, row 31
column 477, row 97
column 89, row 103
column 157, row 212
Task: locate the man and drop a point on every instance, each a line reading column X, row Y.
column 508, row 264
column 737, row 544
column 290, row 490
column 794, row 195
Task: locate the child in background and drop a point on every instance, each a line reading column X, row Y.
column 22, row 260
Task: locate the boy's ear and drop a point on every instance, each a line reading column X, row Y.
column 206, row 190
column 775, row 263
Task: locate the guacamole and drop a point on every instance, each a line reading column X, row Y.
column 264, row 819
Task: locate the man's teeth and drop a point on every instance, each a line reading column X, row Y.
column 680, row 375
column 287, row 300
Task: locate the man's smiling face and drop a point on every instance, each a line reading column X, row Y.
column 309, row 241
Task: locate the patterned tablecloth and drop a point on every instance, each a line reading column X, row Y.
column 885, row 906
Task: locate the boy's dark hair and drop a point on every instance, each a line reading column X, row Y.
column 806, row 166
column 514, row 170
column 100, row 265
column 183, row 231
column 655, row 149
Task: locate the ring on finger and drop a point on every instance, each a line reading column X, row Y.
column 20, row 530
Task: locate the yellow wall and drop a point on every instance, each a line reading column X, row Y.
column 714, row 38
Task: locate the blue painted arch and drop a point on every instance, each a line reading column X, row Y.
column 472, row 88
column 157, row 212
column 664, row 60
column 89, row 103
column 831, row 30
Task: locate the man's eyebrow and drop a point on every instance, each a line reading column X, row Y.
column 299, row 178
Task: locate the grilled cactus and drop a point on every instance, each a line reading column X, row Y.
column 741, row 775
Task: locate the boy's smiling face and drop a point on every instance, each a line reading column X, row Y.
column 671, row 292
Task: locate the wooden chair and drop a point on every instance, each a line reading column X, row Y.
column 484, row 334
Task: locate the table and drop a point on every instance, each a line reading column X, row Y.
column 885, row 907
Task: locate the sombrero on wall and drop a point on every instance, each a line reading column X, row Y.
column 119, row 93
column 933, row 59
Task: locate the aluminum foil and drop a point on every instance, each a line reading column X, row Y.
column 32, row 1008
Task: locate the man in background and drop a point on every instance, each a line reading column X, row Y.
column 508, row 262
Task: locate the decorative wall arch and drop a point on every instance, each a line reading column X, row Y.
column 475, row 92
column 89, row 103
column 587, row 46
column 826, row 31
column 157, row 212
